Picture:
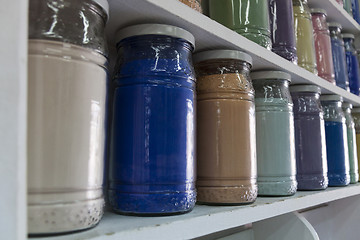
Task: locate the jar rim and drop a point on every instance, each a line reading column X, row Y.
column 318, row 10
column 334, row 24
column 154, row 29
column 305, row 88
column 222, row 54
column 104, row 4
column 331, row 97
column 348, row 35
column 270, row 75
column 347, row 105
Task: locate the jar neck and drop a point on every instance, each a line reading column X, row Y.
column 306, row 103
column 274, row 91
column 335, row 32
column 333, row 111
column 81, row 23
column 319, row 22
column 155, row 55
column 224, row 75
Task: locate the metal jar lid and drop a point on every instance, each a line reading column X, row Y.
column 347, row 105
column 347, row 35
column 154, row 29
column 356, row 110
column 331, row 97
column 270, row 75
column 318, row 10
column 305, row 88
column 334, row 24
column 103, row 4
column 222, row 54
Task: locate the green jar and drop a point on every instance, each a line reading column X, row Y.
column 247, row 17
column 351, row 136
column 304, row 34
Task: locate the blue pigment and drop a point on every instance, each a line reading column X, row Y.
column 355, row 10
column 353, row 71
column 337, row 156
column 152, row 166
column 340, row 69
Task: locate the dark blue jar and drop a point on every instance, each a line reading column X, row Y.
column 336, row 141
column 152, row 162
column 338, row 55
column 355, row 10
column 352, row 63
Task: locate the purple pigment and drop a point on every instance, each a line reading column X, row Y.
column 311, row 162
column 282, row 29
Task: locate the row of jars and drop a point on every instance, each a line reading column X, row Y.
column 156, row 119
column 352, row 7
column 295, row 32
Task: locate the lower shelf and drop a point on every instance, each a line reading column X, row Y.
column 204, row 220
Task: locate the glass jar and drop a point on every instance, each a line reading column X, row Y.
column 152, row 152
column 194, row 4
column 311, row 162
column 275, row 138
column 248, row 18
column 351, row 137
column 304, row 36
column 355, row 10
column 324, row 61
column 336, row 140
column 226, row 147
column 338, row 56
column 67, row 86
column 282, row 29
column 352, row 63
column 347, row 7
column 340, row 2
column 356, row 117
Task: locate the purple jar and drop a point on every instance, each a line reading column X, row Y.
column 282, row 29
column 311, row 163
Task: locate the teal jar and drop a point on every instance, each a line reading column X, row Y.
column 249, row 18
column 347, row 7
column 275, row 134
column 351, row 136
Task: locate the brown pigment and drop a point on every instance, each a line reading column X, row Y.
column 226, row 152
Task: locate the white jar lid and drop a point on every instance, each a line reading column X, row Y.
column 104, row 4
column 334, row 24
column 270, row 75
column 331, row 97
column 222, row 54
column 347, row 105
column 318, row 10
column 305, row 88
column 154, row 29
column 347, row 35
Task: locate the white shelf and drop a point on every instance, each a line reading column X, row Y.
column 212, row 35
column 336, row 13
column 205, row 220
column 209, row 34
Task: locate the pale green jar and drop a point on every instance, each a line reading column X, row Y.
column 275, row 134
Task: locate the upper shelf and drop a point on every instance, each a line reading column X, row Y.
column 212, row 35
column 205, row 220
column 336, row 13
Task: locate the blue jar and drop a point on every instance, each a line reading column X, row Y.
column 352, row 63
column 338, row 55
column 336, row 141
column 152, row 153
column 355, row 10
